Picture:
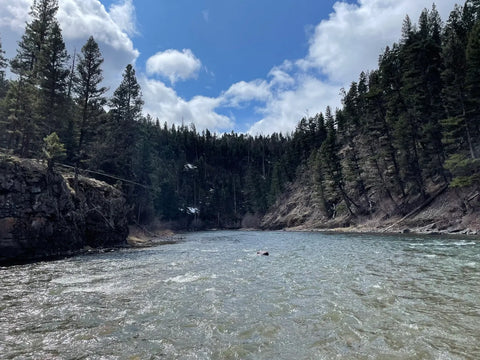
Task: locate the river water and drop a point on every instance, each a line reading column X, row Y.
column 210, row 296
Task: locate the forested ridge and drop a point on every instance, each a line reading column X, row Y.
column 406, row 130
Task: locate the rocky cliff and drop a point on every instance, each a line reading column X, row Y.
column 41, row 216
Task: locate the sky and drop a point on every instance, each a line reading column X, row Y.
column 250, row 66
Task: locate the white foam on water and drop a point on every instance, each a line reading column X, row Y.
column 79, row 279
column 185, row 278
column 444, row 243
column 464, row 243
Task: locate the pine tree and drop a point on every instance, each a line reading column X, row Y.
column 276, row 183
column 21, row 126
column 457, row 132
column 127, row 99
column 377, row 139
column 421, row 91
column 126, row 110
column 472, row 81
column 53, row 149
column 122, row 148
column 24, row 119
column 89, row 94
column 3, row 66
column 3, row 91
column 464, row 168
column 353, row 171
column 319, row 178
column 32, row 43
column 53, row 76
column 331, row 163
column 143, row 170
column 388, row 112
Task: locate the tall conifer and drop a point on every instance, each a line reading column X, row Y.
column 89, row 92
column 53, row 73
column 24, row 119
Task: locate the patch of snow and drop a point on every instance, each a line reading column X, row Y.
column 193, row 210
column 189, row 167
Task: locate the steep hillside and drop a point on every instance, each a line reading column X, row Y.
column 445, row 210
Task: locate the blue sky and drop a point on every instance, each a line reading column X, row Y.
column 253, row 66
column 235, row 40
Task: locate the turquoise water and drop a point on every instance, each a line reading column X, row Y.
column 210, row 296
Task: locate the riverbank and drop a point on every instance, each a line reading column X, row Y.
column 141, row 237
column 365, row 228
column 444, row 210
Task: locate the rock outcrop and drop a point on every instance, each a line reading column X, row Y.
column 42, row 217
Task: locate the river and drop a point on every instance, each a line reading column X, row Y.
column 210, row 296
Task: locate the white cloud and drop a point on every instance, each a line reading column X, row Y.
column 83, row 18
column 79, row 19
column 14, row 14
column 241, row 92
column 123, row 14
column 282, row 112
column 280, row 76
column 174, row 65
column 163, row 103
column 355, row 34
column 341, row 47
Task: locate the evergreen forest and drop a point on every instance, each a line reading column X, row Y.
column 405, row 130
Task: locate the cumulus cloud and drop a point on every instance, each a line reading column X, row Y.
column 14, row 14
column 163, row 103
column 283, row 111
column 351, row 39
column 13, row 17
column 341, row 47
column 80, row 19
column 280, row 75
column 123, row 14
column 174, row 65
column 241, row 92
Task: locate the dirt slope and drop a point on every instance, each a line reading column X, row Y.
column 451, row 211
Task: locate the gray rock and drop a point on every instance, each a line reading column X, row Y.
column 41, row 217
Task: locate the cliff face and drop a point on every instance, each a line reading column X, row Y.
column 42, row 217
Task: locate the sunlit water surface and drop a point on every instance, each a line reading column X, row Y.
column 317, row 296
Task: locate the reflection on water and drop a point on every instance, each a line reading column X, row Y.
column 316, row 296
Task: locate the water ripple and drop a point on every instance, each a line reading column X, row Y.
column 211, row 297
